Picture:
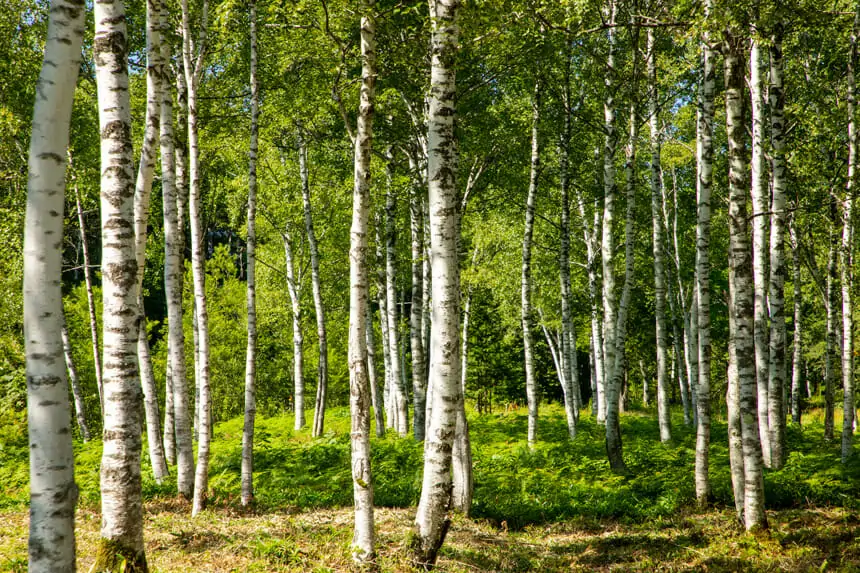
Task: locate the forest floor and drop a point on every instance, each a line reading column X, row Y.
column 226, row 540
column 555, row 507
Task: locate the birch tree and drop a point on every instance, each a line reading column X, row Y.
column 760, row 193
column 74, row 382
column 142, row 199
column 363, row 550
column 172, row 191
column 432, row 520
column 316, row 289
column 831, row 340
column 796, row 344
column 193, row 67
column 251, row 281
column 419, row 377
column 704, row 186
column 741, row 286
column 776, row 287
column 121, row 544
column 847, row 252
column 398, row 406
column 375, row 390
column 53, row 494
column 526, row 284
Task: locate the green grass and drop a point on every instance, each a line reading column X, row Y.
column 558, row 479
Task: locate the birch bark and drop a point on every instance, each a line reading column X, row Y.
column 741, row 286
column 251, row 277
column 432, row 520
column 53, row 493
column 797, row 346
column 80, row 410
column 121, row 543
column 363, row 550
column 398, row 388
column 419, row 377
column 526, row 284
column 293, row 288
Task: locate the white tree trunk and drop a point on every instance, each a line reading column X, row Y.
column 251, row 278
column 741, row 286
column 531, row 384
column 363, row 550
column 760, row 194
column 375, row 390
column 316, row 288
column 432, row 520
column 382, row 300
column 80, row 410
column 193, row 71
column 142, row 196
column 416, row 312
column 733, row 411
column 663, row 416
column 173, row 198
column 776, row 287
column 398, row 389
column 461, row 455
column 121, row 542
column 613, row 437
column 53, row 493
column 847, row 253
column 797, row 345
column 704, row 186
column 91, row 300
column 298, row 338
column 831, row 342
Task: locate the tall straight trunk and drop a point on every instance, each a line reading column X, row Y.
column 776, row 287
column 613, row 435
column 568, row 334
column 431, row 520
column 760, row 205
column 375, row 390
column 614, row 390
column 382, row 300
column 53, row 494
column 121, row 543
column 398, row 389
column 704, row 186
column 251, row 278
column 526, row 284
column 173, row 197
column 831, row 343
column 461, row 455
column 678, row 356
column 741, row 286
column 797, row 345
column 419, row 377
column 693, row 353
column 80, row 410
column 847, row 254
column 193, row 72
column 363, row 549
column 316, row 288
column 298, row 337
column 733, row 410
column 142, row 196
column 169, row 426
column 426, row 302
column 663, row 393
column 91, row 299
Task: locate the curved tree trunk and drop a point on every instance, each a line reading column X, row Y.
column 531, row 384
column 741, row 286
column 121, row 544
column 251, row 279
column 704, row 186
column 363, row 550
column 316, row 287
column 53, row 494
column 432, row 521
column 776, row 287
column 143, row 190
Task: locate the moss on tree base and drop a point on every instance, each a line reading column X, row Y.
column 114, row 557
